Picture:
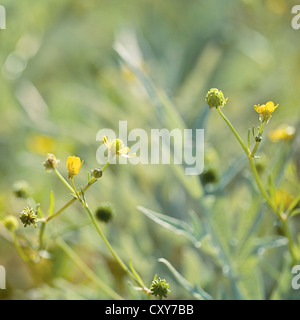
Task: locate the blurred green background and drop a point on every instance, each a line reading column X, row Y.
column 62, row 80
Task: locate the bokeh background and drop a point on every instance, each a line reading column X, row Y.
column 64, row 77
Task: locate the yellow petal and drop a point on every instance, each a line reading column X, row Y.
column 124, row 150
column 128, row 155
column 73, row 165
column 258, row 108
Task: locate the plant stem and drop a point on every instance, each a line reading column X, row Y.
column 42, row 232
column 74, row 199
column 115, row 255
column 20, row 251
column 105, row 166
column 260, row 186
column 258, row 181
column 86, row 270
column 234, row 131
column 85, row 205
column 60, row 210
column 260, row 132
column 287, row 233
column 64, row 181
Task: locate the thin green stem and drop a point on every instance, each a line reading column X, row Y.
column 115, row 255
column 293, row 204
column 19, row 249
column 287, row 233
column 85, row 205
column 74, row 188
column 258, row 181
column 260, row 132
column 42, row 232
column 61, row 210
column 105, row 166
column 234, row 131
column 93, row 180
column 260, row 186
column 86, row 270
column 64, row 181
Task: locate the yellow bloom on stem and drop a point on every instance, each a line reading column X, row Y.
column 116, row 148
column 265, row 110
column 284, row 133
column 283, row 198
column 73, row 165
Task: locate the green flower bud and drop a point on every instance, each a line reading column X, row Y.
column 28, row 216
column 209, row 176
column 97, row 173
column 215, row 98
column 159, row 288
column 51, row 162
column 22, row 189
column 11, row 223
column 105, row 212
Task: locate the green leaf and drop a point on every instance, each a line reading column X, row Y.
column 137, row 276
column 295, row 212
column 51, row 204
column 173, row 224
column 262, row 244
column 196, row 292
column 271, row 188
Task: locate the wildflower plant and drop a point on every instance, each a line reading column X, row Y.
column 265, row 112
column 105, row 212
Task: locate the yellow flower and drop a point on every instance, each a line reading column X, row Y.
column 283, row 198
column 265, row 110
column 41, row 144
column 73, row 165
column 116, row 148
column 51, row 162
column 284, row 133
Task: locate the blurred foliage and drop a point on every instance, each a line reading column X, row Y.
column 63, row 78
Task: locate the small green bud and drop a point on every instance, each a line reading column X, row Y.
column 28, row 216
column 105, row 212
column 51, row 162
column 97, row 173
column 22, row 189
column 11, row 223
column 159, row 287
column 258, row 138
column 209, row 176
column 215, row 98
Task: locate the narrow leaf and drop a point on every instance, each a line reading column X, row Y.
column 173, row 224
column 196, row 292
column 51, row 204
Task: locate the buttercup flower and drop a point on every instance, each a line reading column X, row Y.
column 215, row 98
column 73, row 165
column 11, row 223
column 51, row 162
column 265, row 110
column 284, row 197
column 116, row 148
column 28, row 217
column 22, row 189
column 105, row 212
column 284, row 133
column 159, row 288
